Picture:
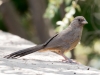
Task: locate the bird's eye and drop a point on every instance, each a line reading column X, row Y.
column 79, row 20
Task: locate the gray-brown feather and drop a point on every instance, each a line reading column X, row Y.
column 60, row 43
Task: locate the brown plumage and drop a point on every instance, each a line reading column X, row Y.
column 60, row 43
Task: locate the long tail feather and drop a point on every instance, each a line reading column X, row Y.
column 24, row 52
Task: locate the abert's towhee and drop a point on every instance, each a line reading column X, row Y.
column 60, row 43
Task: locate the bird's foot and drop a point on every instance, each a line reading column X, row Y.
column 70, row 61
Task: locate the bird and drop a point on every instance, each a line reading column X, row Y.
column 62, row 42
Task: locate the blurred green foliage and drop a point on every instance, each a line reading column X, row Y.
column 53, row 13
column 52, row 8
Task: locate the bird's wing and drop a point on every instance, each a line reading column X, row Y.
column 58, row 40
column 64, row 39
column 49, row 40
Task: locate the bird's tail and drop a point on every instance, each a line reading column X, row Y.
column 24, row 52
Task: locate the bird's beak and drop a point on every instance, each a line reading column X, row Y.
column 84, row 22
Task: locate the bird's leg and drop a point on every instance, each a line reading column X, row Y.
column 66, row 59
column 61, row 52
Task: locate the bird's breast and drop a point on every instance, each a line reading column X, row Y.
column 75, row 39
column 73, row 44
column 72, row 39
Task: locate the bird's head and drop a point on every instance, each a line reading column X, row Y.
column 79, row 21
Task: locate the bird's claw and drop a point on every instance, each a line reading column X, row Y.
column 70, row 61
